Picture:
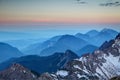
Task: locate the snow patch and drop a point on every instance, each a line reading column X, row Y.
column 24, row 71
column 55, row 77
column 113, row 60
column 77, row 67
column 80, row 76
column 99, row 71
column 111, row 67
column 62, row 73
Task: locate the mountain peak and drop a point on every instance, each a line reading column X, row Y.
column 17, row 66
column 106, row 44
column 4, row 44
column 67, row 36
column 92, row 33
column 17, row 72
column 70, row 53
column 118, row 36
column 108, row 30
column 79, row 34
column 7, row 51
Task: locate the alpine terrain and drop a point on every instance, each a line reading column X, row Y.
column 102, row 64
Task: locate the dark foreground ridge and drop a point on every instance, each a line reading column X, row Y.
column 17, row 72
column 42, row 64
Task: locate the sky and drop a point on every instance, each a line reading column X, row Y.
column 61, row 11
column 50, row 17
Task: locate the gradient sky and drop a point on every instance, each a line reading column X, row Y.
column 64, row 11
column 62, row 16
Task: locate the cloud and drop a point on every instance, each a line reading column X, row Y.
column 108, row 3
column 116, row 3
column 81, row 2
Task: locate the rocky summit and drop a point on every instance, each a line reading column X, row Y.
column 17, row 72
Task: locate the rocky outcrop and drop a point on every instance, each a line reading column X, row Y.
column 46, row 76
column 17, row 72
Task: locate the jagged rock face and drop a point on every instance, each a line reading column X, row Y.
column 102, row 64
column 17, row 72
column 47, row 76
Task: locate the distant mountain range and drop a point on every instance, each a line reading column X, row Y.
column 20, row 39
column 75, row 43
column 7, row 35
column 38, row 47
column 42, row 64
column 79, row 43
column 65, row 42
column 97, row 38
column 86, row 49
column 102, row 64
column 7, row 52
column 23, row 43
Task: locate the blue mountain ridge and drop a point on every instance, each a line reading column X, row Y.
column 76, row 42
